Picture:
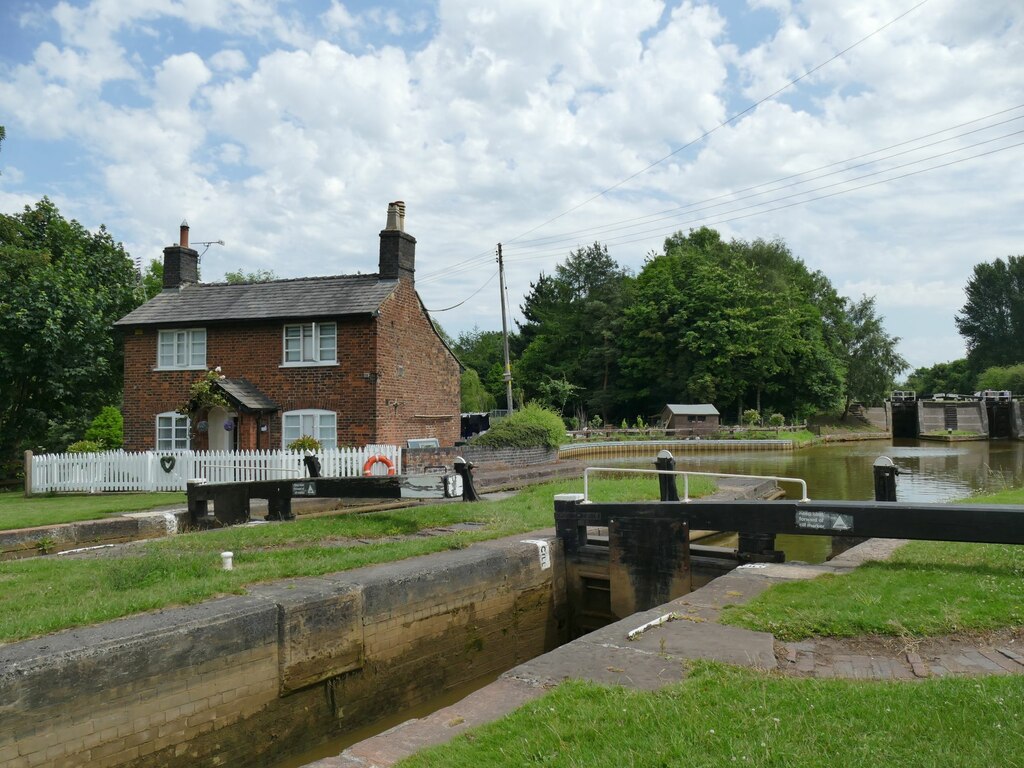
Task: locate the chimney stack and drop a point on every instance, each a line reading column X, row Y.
column 397, row 249
column 181, row 263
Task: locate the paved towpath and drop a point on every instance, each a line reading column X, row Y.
column 689, row 629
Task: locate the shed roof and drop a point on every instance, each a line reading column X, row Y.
column 275, row 299
column 703, row 409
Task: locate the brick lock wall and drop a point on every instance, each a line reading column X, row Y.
column 246, row 679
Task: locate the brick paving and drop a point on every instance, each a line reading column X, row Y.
column 935, row 657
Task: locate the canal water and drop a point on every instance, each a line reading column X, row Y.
column 929, row 472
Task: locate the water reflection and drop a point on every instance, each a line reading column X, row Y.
column 929, row 472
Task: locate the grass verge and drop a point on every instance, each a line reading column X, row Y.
column 43, row 595
column 925, row 588
column 17, row 511
column 723, row 716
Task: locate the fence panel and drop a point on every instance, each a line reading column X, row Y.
column 171, row 471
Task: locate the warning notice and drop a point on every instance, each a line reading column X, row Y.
column 823, row 521
column 304, row 488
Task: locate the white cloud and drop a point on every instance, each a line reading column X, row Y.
column 176, row 80
column 229, row 60
column 509, row 113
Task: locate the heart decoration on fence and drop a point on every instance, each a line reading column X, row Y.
column 167, row 463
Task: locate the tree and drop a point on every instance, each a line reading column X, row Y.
column 954, row 376
column 1008, row 377
column 727, row 323
column 872, row 363
column 153, row 279
column 60, row 361
column 992, row 319
column 570, row 329
column 475, row 397
column 256, row 276
column 484, row 352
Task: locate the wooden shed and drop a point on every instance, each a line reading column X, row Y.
column 697, row 419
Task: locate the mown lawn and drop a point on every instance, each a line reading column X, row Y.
column 925, row 588
column 43, row 595
column 17, row 511
column 722, row 716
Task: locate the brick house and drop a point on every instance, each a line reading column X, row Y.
column 350, row 359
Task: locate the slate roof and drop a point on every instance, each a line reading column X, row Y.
column 244, row 394
column 276, row 299
column 704, row 409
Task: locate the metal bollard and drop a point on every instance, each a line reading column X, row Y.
column 465, row 470
column 667, row 483
column 885, row 478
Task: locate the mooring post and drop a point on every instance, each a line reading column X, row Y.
column 465, row 470
column 885, row 478
column 666, row 462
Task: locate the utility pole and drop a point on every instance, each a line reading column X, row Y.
column 504, row 332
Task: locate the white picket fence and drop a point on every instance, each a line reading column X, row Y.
column 171, row 470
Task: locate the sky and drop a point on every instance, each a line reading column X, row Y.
column 285, row 127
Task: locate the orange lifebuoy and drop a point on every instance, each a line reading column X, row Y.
column 368, row 466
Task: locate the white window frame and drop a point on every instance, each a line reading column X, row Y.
column 187, row 347
column 309, row 344
column 179, row 438
column 323, row 425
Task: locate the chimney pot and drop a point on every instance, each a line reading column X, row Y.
column 183, row 234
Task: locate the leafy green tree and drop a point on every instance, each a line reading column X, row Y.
column 153, row 279
column 1007, row 377
column 475, row 397
column 725, row 323
column 954, row 376
column 992, row 319
column 872, row 362
column 60, row 361
column 256, row 276
column 571, row 324
column 107, row 429
column 484, row 352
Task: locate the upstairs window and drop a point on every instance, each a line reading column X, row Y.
column 182, row 349
column 310, row 343
column 323, row 425
column 171, row 432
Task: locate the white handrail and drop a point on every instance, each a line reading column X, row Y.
column 686, row 478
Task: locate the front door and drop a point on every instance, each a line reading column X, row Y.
column 223, row 430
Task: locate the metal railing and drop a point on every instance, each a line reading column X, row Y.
column 686, row 479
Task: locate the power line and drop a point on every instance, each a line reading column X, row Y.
column 474, row 293
column 729, row 120
column 475, row 261
column 708, row 219
column 661, row 215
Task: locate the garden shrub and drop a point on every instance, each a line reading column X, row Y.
column 305, row 443
column 107, row 429
column 85, row 446
column 777, row 420
column 531, row 427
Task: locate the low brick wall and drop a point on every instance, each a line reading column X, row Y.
column 246, row 680
column 415, row 460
